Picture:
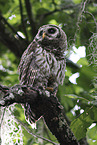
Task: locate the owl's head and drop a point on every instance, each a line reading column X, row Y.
column 52, row 38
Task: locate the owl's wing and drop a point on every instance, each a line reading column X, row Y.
column 27, row 70
column 27, row 75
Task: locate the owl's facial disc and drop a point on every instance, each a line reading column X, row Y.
column 51, row 33
column 52, row 38
column 47, row 34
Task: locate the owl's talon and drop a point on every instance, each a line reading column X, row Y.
column 50, row 89
column 43, row 91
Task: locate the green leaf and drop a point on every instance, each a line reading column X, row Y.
column 86, row 77
column 79, row 126
column 92, row 135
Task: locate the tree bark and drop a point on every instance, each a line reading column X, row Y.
column 48, row 107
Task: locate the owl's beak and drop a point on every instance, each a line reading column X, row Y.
column 43, row 35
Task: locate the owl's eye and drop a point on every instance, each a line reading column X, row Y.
column 51, row 31
column 41, row 32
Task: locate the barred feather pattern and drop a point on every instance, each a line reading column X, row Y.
column 39, row 67
column 36, row 67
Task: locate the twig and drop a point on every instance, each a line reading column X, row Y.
column 2, row 117
column 93, row 18
column 41, row 17
column 10, row 26
column 61, row 9
column 31, row 18
column 35, row 135
column 54, row 3
column 73, row 65
column 9, row 39
column 22, row 20
column 82, row 10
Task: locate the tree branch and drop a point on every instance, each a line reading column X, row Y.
column 75, row 67
column 13, row 41
column 48, row 107
column 22, row 20
column 35, row 135
column 66, row 7
column 31, row 17
column 10, row 26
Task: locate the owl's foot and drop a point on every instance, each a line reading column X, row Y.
column 41, row 90
column 50, row 89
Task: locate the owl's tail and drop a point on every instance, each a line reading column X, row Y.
column 31, row 114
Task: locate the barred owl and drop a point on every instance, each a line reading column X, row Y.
column 43, row 63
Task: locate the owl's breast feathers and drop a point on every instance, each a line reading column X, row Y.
column 38, row 64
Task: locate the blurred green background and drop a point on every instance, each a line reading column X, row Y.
column 19, row 23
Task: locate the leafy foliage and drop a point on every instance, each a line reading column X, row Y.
column 84, row 121
column 78, row 19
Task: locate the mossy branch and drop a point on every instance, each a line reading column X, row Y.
column 49, row 107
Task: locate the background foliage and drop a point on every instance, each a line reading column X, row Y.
column 19, row 22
